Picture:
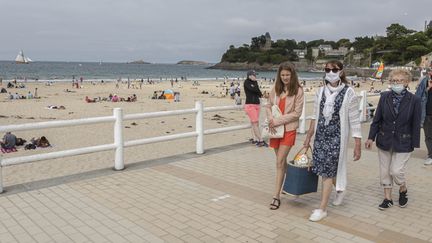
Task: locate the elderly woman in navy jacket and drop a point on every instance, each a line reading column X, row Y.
column 396, row 131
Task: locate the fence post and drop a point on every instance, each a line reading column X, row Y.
column 199, row 126
column 302, row 127
column 363, row 106
column 118, row 139
column 1, row 176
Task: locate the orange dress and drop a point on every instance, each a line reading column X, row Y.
column 289, row 136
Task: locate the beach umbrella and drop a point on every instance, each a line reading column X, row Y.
column 169, row 94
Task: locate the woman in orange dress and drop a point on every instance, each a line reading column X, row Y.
column 288, row 95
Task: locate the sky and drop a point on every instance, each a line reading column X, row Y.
column 167, row 31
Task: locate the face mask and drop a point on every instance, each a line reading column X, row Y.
column 332, row 77
column 398, row 88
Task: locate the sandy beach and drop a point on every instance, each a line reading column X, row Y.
column 36, row 110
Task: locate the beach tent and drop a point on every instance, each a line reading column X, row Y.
column 411, row 64
column 169, row 94
column 376, row 64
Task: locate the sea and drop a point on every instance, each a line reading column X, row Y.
column 97, row 71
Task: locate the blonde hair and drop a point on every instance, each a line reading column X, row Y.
column 401, row 72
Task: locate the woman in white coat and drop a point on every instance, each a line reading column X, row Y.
column 336, row 115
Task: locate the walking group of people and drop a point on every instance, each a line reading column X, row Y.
column 395, row 129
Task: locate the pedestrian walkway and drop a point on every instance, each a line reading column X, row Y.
column 221, row 196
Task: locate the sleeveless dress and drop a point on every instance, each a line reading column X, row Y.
column 326, row 149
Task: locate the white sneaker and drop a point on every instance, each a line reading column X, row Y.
column 428, row 161
column 339, row 198
column 317, row 215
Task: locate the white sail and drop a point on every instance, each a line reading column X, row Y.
column 22, row 59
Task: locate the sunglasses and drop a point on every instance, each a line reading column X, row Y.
column 335, row 70
column 396, row 81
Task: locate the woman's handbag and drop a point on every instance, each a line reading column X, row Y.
column 280, row 130
column 303, row 158
column 299, row 179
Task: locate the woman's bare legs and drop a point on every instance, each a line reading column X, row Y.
column 281, row 156
column 327, row 187
column 256, row 131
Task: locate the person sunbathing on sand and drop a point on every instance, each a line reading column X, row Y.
column 41, row 142
column 115, row 98
column 132, row 98
column 9, row 141
column 88, row 100
column 56, row 107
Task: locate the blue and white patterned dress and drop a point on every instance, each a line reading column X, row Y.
column 325, row 155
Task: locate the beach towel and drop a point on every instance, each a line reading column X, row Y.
column 8, row 150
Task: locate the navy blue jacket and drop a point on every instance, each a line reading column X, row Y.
column 399, row 132
column 422, row 93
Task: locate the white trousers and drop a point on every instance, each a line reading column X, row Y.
column 392, row 167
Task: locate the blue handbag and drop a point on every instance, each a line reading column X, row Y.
column 299, row 178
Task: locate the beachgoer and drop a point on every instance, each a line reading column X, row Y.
column 29, row 95
column 396, row 131
column 232, row 90
column 424, row 92
column 88, row 100
column 155, row 95
column 41, row 142
column 252, row 106
column 9, row 141
column 238, row 100
column 176, row 96
column 115, row 98
column 289, row 97
column 335, row 116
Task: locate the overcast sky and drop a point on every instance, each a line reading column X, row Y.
column 167, row 31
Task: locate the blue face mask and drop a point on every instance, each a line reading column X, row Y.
column 398, row 88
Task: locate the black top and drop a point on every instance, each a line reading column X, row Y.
column 429, row 103
column 252, row 91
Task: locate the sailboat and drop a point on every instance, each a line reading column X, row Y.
column 377, row 75
column 21, row 59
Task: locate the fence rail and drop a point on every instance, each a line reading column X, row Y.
column 119, row 143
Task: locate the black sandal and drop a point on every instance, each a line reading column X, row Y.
column 275, row 204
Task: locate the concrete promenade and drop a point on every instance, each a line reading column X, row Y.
column 221, row 196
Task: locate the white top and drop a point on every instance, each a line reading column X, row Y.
column 350, row 123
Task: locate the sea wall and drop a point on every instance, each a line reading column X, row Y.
column 301, row 66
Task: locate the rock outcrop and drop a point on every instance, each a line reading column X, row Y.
column 189, row 62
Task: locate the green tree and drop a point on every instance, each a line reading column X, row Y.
column 302, row 45
column 255, row 43
column 413, row 52
column 397, row 30
column 362, row 43
column 315, row 43
column 343, row 43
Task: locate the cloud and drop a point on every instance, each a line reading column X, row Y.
column 168, row 31
column 238, row 22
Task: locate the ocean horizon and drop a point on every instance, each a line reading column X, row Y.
column 110, row 71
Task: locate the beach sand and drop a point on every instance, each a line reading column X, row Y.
column 35, row 110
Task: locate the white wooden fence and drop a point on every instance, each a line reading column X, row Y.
column 119, row 143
